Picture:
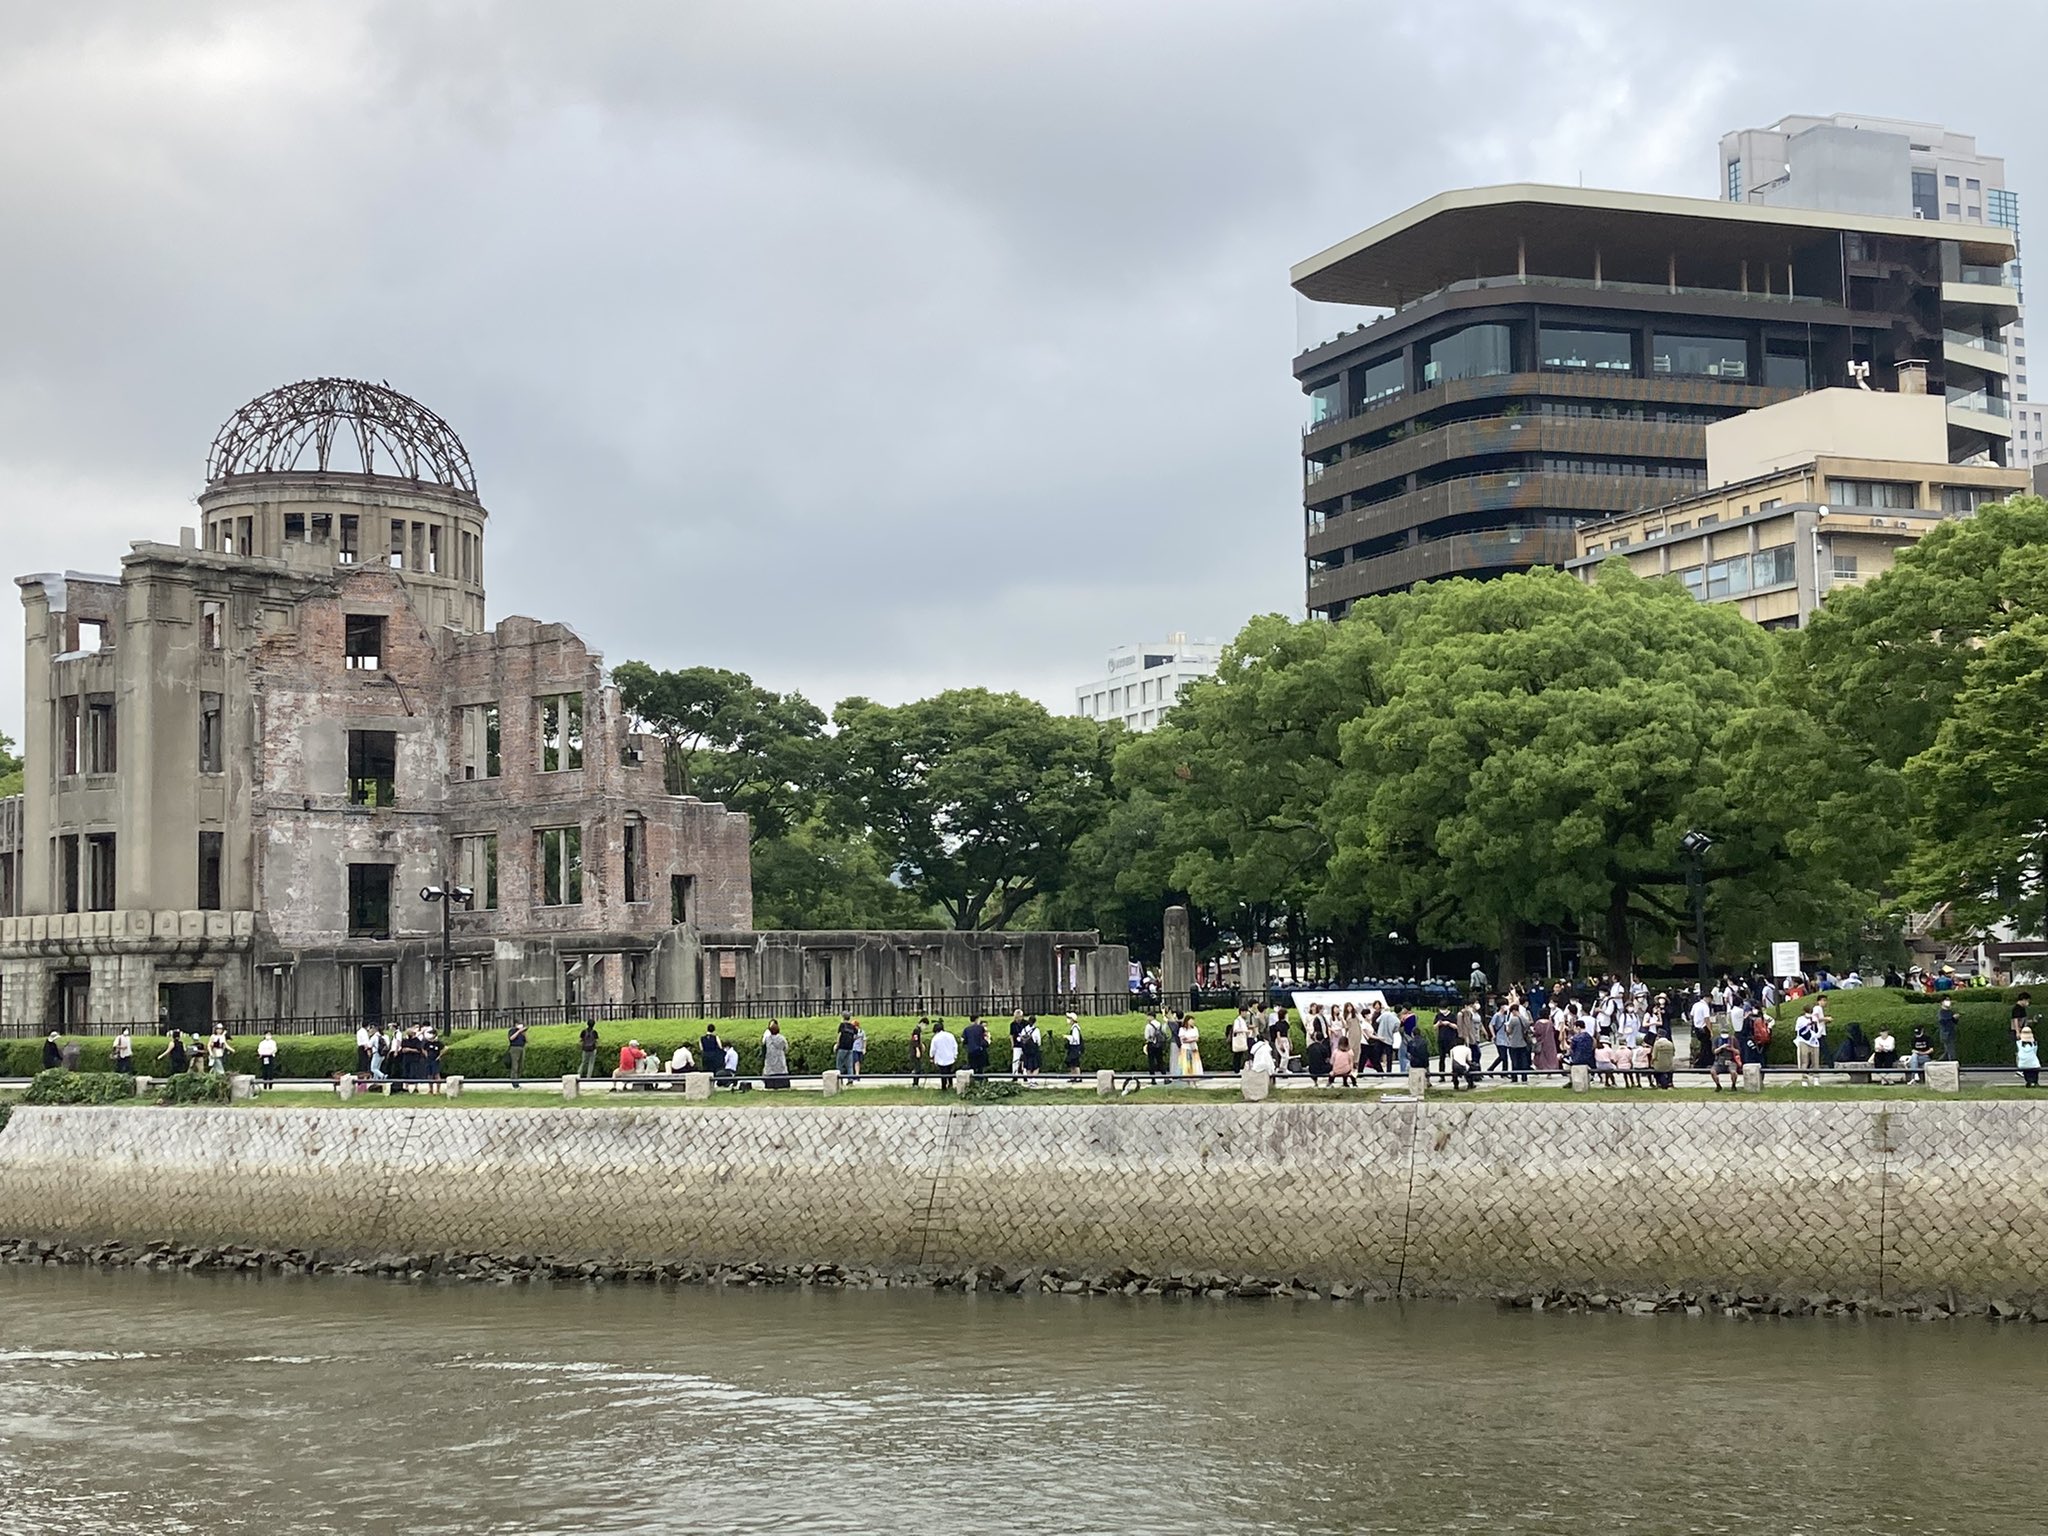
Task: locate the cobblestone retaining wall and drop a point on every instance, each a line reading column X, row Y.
column 1448, row 1197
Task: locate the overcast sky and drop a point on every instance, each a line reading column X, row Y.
column 871, row 347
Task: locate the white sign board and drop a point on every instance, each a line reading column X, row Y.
column 1333, row 1003
column 1785, row 960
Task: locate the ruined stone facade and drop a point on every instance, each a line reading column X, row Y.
column 250, row 753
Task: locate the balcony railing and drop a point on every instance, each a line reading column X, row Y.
column 1977, row 400
column 1971, row 339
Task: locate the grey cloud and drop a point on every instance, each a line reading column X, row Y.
column 870, row 348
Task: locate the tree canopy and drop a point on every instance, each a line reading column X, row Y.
column 10, row 767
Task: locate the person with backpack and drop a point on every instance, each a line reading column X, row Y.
column 1034, row 1047
column 515, row 1054
column 588, row 1040
column 1155, row 1047
column 1806, row 1047
column 842, row 1051
column 1073, row 1048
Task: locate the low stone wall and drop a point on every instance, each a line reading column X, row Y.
column 1912, row 1200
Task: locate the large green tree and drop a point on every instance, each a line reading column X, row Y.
column 814, row 876
column 726, row 738
column 1924, row 683
column 974, row 799
column 11, row 768
column 1543, row 747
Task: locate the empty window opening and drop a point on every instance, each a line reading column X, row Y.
column 212, row 619
column 561, row 732
column 70, row 737
column 434, row 548
column 476, row 866
column 68, row 876
column 71, row 1000
column 209, row 733
column 295, row 527
column 476, row 741
column 559, row 861
column 245, row 535
column 636, row 859
column 362, row 641
column 99, row 733
column 94, row 635
column 209, row 871
column 369, row 901
column 351, row 539
column 320, row 528
column 372, row 767
column 398, row 543
column 99, row 872
column 682, row 898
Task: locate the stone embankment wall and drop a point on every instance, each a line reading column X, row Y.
column 1446, row 1197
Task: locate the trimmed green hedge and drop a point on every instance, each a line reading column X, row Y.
column 57, row 1086
column 196, row 1088
column 1115, row 1041
column 1983, row 1020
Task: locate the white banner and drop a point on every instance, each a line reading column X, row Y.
column 1333, row 1002
column 1785, row 960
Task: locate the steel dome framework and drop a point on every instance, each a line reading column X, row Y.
column 341, row 426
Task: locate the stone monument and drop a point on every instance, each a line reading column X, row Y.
column 1176, row 960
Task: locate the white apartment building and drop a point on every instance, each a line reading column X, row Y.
column 1141, row 682
column 1854, row 163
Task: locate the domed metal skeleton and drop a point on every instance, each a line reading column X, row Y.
column 341, row 426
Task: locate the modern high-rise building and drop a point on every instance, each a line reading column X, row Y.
column 1533, row 356
column 1140, row 682
column 1849, row 162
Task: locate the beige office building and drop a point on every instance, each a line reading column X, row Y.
column 1819, row 492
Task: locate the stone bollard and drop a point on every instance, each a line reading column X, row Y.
column 451, row 1087
column 241, row 1086
column 1253, row 1085
column 697, row 1085
column 1418, row 1081
column 1945, row 1076
column 1752, row 1077
column 1105, row 1084
column 828, row 1082
column 144, row 1087
column 962, row 1081
column 570, row 1085
column 1582, row 1078
column 345, row 1085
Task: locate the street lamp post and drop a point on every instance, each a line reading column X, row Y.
column 448, row 895
column 1694, row 846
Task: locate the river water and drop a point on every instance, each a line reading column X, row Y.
column 169, row 1403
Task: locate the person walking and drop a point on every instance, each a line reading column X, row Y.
column 363, row 1049
column 1498, row 1025
column 945, row 1052
column 174, row 1052
column 1073, row 1048
column 53, row 1052
column 588, row 1040
column 774, row 1056
column 1155, row 1047
column 1806, row 1049
column 842, row 1050
column 1446, row 1037
column 1187, row 1060
column 124, row 1053
column 917, row 1052
column 1945, row 1021
column 860, row 1048
column 1521, row 1039
column 1033, row 1045
column 2028, row 1057
column 266, row 1058
column 1477, row 982
column 1240, row 1040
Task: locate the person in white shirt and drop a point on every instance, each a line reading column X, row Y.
column 680, row 1060
column 363, row 1036
column 945, row 1052
column 1262, row 1056
column 266, row 1055
column 124, row 1053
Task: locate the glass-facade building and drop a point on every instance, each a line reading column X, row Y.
column 1531, row 357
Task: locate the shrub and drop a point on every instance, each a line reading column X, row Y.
column 992, row 1090
column 195, row 1088
column 60, row 1087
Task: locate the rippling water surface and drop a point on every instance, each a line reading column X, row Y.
column 174, row 1403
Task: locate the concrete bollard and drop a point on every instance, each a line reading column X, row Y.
column 1945, row 1076
column 570, row 1085
column 144, row 1087
column 1752, row 1077
column 241, row 1086
column 697, row 1085
column 1253, row 1085
column 828, row 1082
column 1418, row 1081
column 451, row 1087
column 345, row 1085
column 1105, row 1084
column 962, row 1081
column 1582, row 1079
